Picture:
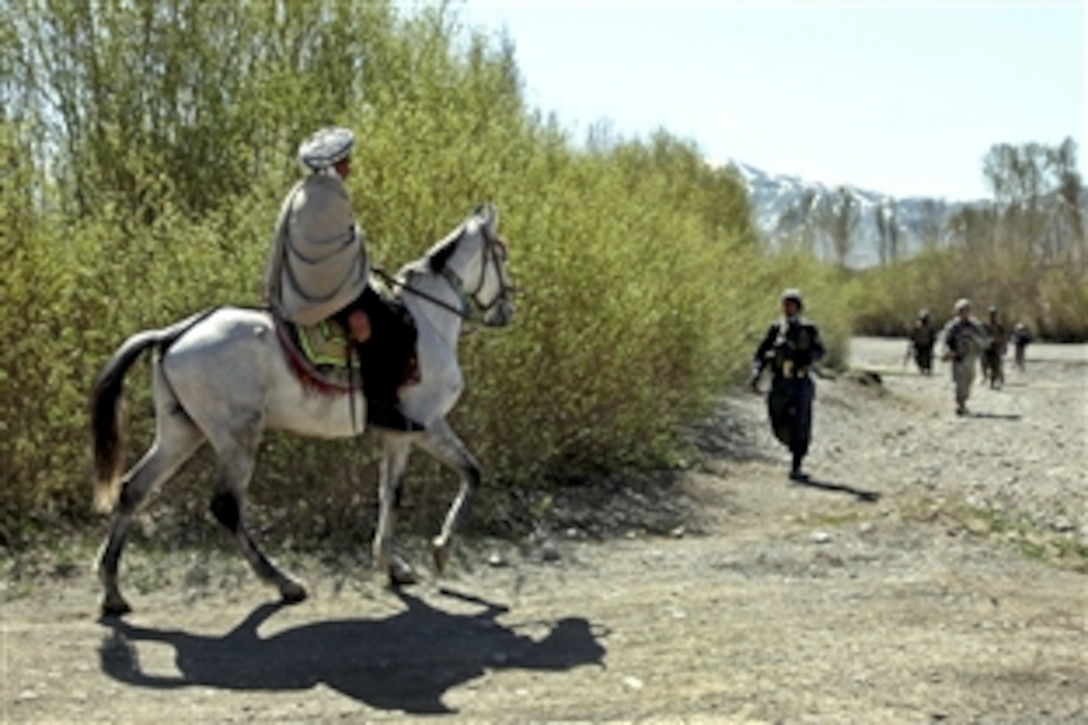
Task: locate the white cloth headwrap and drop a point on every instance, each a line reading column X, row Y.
column 326, row 147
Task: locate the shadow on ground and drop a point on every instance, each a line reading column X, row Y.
column 994, row 416
column 405, row 662
column 858, row 493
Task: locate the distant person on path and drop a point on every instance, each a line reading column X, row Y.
column 792, row 344
column 964, row 340
column 1020, row 339
column 923, row 336
column 993, row 359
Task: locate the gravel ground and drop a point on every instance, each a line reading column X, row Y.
column 935, row 570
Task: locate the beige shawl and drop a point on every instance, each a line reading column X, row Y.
column 317, row 264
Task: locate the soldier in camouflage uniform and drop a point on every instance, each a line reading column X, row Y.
column 993, row 358
column 964, row 340
column 790, row 347
column 923, row 336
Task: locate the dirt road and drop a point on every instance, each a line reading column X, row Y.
column 935, row 570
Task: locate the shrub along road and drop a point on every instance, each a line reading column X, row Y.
column 935, row 569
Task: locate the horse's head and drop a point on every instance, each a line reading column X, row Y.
column 476, row 256
column 494, row 293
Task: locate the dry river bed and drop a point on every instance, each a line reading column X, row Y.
column 934, row 570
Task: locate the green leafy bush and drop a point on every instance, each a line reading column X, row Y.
column 1051, row 301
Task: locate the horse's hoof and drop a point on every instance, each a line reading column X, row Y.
column 401, row 573
column 293, row 593
column 115, row 607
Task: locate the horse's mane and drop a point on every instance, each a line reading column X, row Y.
column 440, row 252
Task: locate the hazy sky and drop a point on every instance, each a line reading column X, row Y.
column 903, row 98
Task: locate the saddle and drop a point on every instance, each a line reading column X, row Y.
column 320, row 355
column 324, row 357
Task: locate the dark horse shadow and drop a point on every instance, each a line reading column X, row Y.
column 403, row 662
column 858, row 493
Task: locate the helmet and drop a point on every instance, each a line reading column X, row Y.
column 793, row 294
column 963, row 304
column 326, row 147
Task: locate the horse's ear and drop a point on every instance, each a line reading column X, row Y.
column 488, row 216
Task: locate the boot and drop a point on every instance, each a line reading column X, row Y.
column 383, row 406
column 380, row 383
column 388, row 416
column 795, row 470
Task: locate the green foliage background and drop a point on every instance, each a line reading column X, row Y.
column 145, row 148
column 1051, row 300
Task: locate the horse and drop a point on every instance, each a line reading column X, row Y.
column 222, row 377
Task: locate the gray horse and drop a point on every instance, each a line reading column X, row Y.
column 222, row 377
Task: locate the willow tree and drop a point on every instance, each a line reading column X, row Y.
column 142, row 101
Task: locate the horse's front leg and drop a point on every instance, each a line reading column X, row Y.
column 442, row 443
column 395, row 450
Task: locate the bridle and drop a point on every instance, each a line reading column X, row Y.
column 495, row 252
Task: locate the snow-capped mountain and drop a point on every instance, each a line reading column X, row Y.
column 790, row 210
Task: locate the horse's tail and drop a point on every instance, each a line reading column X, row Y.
column 105, row 407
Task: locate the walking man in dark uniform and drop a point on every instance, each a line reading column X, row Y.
column 923, row 336
column 993, row 359
column 791, row 346
column 1020, row 337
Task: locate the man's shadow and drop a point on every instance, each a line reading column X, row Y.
column 403, row 662
column 994, row 416
column 858, row 493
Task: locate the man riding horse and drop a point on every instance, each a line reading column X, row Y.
column 318, row 272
